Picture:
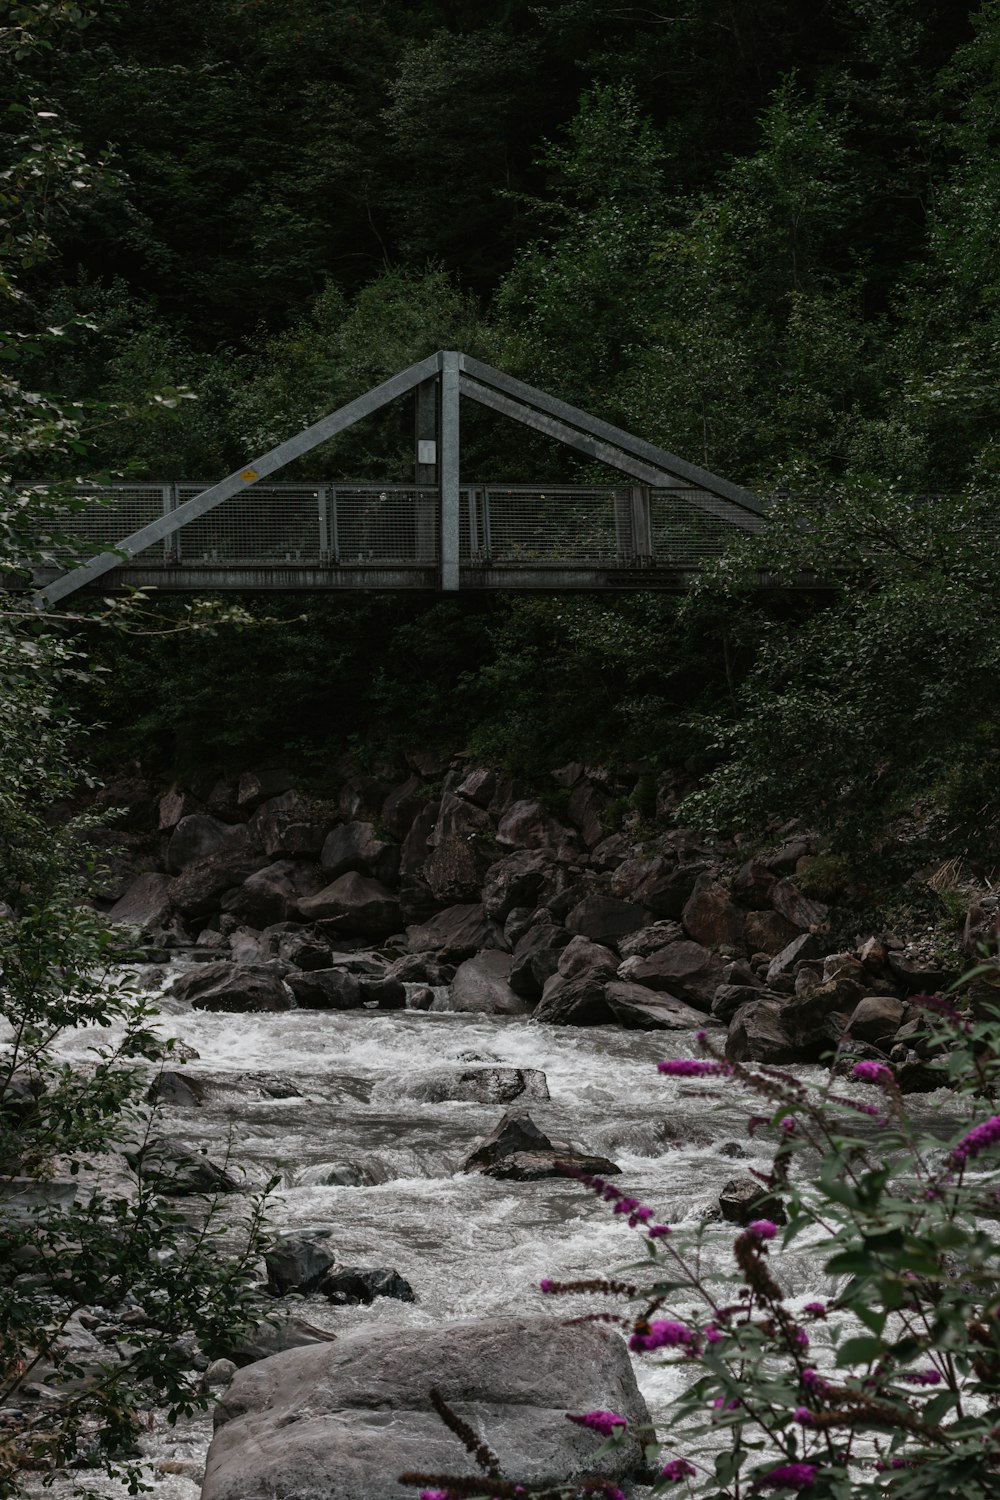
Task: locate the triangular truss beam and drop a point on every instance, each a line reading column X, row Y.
column 453, row 375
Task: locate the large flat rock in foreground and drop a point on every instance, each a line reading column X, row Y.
column 341, row 1421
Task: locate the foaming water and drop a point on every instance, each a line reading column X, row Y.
column 334, row 1104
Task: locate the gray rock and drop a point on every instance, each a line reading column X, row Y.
column 475, row 1085
column 340, row 1422
column 401, row 807
column 744, row 1199
column 526, row 825
column 605, row 919
column 349, row 1286
column 478, row 786
column 536, row 958
column 649, row 940
column 147, row 903
column 803, row 913
column 197, row 836
column 516, row 1149
column 273, row 894
column 514, row 881
column 876, row 1018
column 271, row 1336
column 806, row 946
column 684, row 969
column 416, row 847
column 326, row 989
column 178, row 1173
column 226, row 987
column 636, row 1008
column 199, row 888
column 356, row 846
column 298, row 1259
column 255, row 787
column 421, row 968
column 757, row 1035
column 481, row 986
column 455, row 933
column 290, row 824
column 358, row 904
column 179, row 1089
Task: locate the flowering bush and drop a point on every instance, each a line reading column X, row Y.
column 888, row 1385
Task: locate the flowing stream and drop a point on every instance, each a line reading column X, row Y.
column 470, row 1246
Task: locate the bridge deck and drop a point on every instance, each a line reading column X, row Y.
column 325, row 537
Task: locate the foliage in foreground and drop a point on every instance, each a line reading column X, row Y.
column 888, row 1384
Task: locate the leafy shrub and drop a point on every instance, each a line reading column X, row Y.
column 888, row 1382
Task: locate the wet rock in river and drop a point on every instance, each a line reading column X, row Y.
column 516, row 1149
column 743, row 1199
column 228, row 987
column 481, row 986
column 326, row 989
column 298, row 1259
column 371, row 1416
column 357, row 904
column 349, row 1286
column 476, row 1085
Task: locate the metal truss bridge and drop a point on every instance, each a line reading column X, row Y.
column 651, row 531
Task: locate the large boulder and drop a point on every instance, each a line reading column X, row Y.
column 803, row 913
column 526, row 825
column 576, row 993
column 482, row 985
column 482, row 1084
column 357, row 904
column 272, row 894
column 356, row 846
column 197, row 836
column 341, row 1421
column 228, row 987
column 514, row 881
column 401, row 807
column 605, row 919
column 198, row 889
column 876, row 1018
column 351, row 1286
column 147, row 903
column 634, row 1007
column 296, row 1259
column 756, row 1034
column 517, row 1150
column 710, row 917
column 291, row 825
column 767, row 932
column 455, row 933
column 684, row 969
column 536, row 958
column 326, row 989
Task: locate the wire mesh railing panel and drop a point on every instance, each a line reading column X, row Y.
column 683, row 533
column 112, row 514
column 388, row 524
column 557, row 524
column 266, row 523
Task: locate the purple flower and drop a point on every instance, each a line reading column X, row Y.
column 677, row 1468
column 921, row 1377
column 435, row 1495
column 803, row 1416
column 625, row 1206
column 692, row 1067
column 873, row 1072
column 545, row 1285
column 762, row 1229
column 721, row 1404
column 640, row 1215
column 658, row 1231
column 978, row 1138
column 788, row 1125
column 817, row 1309
column 711, row 1333
column 788, row 1477
column 814, row 1382
column 663, row 1334
column 603, row 1422
column 800, row 1338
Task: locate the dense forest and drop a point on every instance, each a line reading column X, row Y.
column 759, row 233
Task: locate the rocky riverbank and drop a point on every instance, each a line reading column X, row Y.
column 455, row 889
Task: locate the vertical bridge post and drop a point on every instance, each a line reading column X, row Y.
column 425, row 468
column 449, row 471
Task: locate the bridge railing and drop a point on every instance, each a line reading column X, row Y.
column 344, row 524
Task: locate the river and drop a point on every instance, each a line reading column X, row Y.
column 469, row 1245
